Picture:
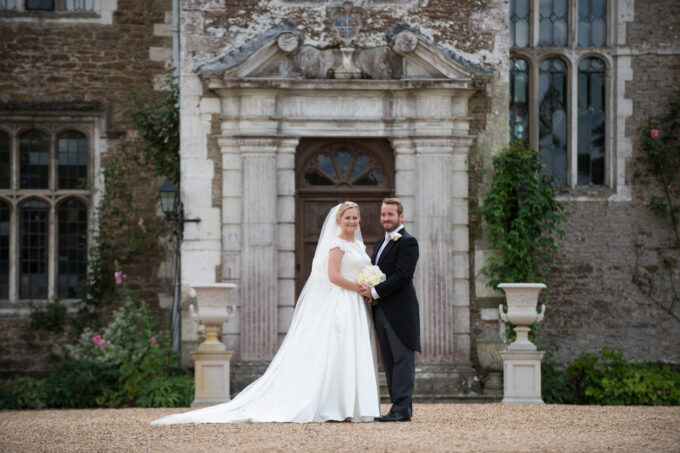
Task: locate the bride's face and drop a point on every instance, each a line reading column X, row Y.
column 349, row 221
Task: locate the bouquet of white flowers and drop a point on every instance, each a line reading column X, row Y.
column 371, row 275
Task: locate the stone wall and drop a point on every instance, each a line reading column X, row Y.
column 601, row 295
column 55, row 66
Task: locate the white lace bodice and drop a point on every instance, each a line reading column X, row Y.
column 354, row 259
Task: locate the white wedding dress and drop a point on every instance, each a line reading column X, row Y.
column 326, row 367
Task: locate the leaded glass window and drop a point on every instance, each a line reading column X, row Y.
column 519, row 23
column 553, row 21
column 34, row 158
column 79, row 5
column 592, row 23
column 44, row 5
column 72, row 215
column 7, row 4
column 5, row 174
column 519, row 99
column 72, row 160
column 552, row 128
column 4, row 250
column 343, row 165
column 591, row 121
column 34, row 218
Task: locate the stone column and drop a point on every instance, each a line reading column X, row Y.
column 460, row 248
column 405, row 180
column 285, row 160
column 434, row 275
column 259, row 255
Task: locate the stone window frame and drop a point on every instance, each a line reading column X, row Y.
column 572, row 54
column 101, row 13
column 54, row 126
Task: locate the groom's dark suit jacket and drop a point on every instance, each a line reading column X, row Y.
column 397, row 293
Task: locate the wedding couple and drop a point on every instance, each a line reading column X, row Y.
column 326, row 367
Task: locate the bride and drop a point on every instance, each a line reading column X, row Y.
column 326, row 367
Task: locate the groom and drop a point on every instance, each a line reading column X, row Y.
column 397, row 322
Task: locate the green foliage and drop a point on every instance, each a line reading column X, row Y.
column 520, row 232
column 131, row 344
column 23, row 393
column 605, row 378
column 49, row 317
column 157, row 119
column 554, row 388
column 167, row 391
column 79, row 384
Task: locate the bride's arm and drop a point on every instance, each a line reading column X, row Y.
column 334, row 275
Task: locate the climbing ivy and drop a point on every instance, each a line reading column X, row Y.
column 522, row 218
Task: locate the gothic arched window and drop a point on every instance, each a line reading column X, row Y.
column 591, row 121
column 552, row 114
column 34, row 220
column 34, row 160
column 72, row 264
column 519, row 99
column 72, row 149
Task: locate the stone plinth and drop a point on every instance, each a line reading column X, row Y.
column 522, row 377
column 211, row 378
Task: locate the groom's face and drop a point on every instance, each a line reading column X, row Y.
column 390, row 217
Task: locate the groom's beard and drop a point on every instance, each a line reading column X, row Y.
column 392, row 226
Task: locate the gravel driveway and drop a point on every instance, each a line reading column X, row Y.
column 435, row 427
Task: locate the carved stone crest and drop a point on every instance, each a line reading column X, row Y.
column 347, row 21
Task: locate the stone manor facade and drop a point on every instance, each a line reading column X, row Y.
column 288, row 107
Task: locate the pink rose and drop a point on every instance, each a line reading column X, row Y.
column 654, row 133
column 119, row 276
column 153, row 341
column 140, row 224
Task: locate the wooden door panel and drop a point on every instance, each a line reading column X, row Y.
column 316, row 195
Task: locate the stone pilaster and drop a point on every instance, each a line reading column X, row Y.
column 285, row 163
column 460, row 249
column 405, row 180
column 433, row 213
column 259, row 250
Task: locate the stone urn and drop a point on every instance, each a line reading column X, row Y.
column 211, row 360
column 521, row 360
column 522, row 299
column 212, row 310
column 489, row 354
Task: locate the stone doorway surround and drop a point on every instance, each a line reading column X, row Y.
column 269, row 94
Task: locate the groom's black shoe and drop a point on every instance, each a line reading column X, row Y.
column 392, row 417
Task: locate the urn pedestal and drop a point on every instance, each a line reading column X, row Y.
column 521, row 360
column 211, row 360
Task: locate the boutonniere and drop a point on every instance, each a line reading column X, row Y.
column 395, row 236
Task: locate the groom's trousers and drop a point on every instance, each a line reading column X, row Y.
column 399, row 364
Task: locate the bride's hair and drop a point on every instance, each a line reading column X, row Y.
column 344, row 207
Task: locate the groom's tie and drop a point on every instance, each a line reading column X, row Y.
column 384, row 244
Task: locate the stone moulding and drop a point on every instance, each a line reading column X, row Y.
column 280, row 52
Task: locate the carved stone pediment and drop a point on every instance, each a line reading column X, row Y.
column 280, row 53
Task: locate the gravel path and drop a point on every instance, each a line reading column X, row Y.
column 435, row 427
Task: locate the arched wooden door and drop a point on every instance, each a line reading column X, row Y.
column 330, row 171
